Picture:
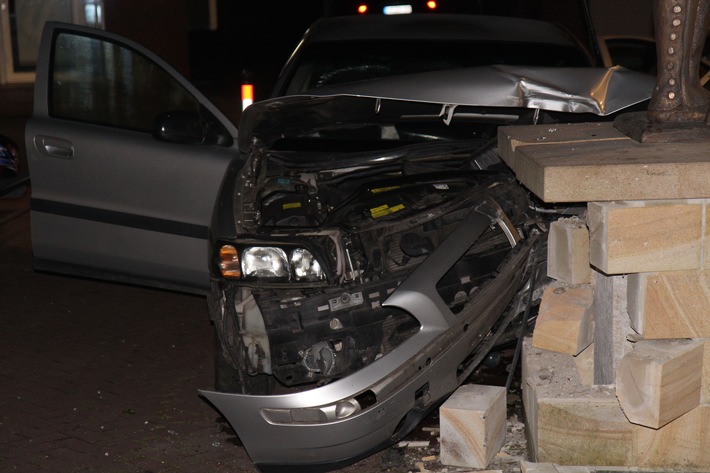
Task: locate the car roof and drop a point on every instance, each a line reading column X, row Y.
column 434, row 27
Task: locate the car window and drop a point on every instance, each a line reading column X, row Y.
column 328, row 63
column 100, row 82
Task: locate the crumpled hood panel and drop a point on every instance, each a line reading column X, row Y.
column 599, row 91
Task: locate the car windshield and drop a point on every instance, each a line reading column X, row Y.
column 327, row 63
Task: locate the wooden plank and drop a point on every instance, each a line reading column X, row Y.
column 473, row 425
column 569, row 423
column 531, row 467
column 679, row 445
column 611, row 326
column 568, row 251
column 510, row 137
column 565, row 322
column 660, row 380
column 559, row 170
column 633, row 237
column 670, row 304
column 572, row 424
column 584, row 362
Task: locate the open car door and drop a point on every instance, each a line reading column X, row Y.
column 126, row 159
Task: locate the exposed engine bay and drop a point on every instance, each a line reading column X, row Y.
column 364, row 229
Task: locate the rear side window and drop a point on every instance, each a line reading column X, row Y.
column 97, row 81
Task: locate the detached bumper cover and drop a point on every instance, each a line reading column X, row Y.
column 407, row 383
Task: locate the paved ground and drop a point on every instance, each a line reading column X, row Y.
column 103, row 377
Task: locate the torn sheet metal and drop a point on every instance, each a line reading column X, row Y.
column 601, row 91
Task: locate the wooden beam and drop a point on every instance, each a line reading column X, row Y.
column 679, row 445
column 510, row 137
column 568, row 251
column 671, row 304
column 473, row 425
column 633, row 237
column 583, row 163
column 565, row 322
column 611, row 325
column 571, row 424
column 584, row 362
column 660, row 380
column 568, row 423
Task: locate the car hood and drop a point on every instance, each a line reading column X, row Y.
column 599, row 91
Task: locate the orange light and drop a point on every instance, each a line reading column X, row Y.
column 431, row 5
column 247, row 95
column 248, row 91
column 229, row 262
column 362, row 8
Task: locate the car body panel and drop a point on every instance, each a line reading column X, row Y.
column 410, row 380
column 600, row 91
column 597, row 91
column 118, row 203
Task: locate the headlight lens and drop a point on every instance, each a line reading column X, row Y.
column 270, row 263
column 265, row 262
column 305, row 267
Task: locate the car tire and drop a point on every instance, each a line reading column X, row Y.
column 231, row 375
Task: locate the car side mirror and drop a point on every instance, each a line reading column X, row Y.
column 180, row 126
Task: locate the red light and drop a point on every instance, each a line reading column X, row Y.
column 431, row 5
column 362, row 8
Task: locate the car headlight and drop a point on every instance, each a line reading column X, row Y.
column 305, row 267
column 265, row 262
column 270, row 263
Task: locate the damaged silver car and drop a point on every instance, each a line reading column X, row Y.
column 372, row 249
column 363, row 246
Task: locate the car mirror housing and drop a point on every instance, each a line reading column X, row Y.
column 180, row 127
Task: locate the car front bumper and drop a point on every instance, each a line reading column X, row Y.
column 309, row 428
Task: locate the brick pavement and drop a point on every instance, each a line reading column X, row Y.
column 97, row 376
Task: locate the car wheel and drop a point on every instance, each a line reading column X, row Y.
column 231, row 374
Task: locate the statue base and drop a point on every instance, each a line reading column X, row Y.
column 637, row 127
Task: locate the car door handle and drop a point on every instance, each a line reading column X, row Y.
column 54, row 147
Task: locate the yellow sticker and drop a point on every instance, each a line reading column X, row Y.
column 383, row 210
column 384, row 189
column 292, row 205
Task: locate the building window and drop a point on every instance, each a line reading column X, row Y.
column 21, row 24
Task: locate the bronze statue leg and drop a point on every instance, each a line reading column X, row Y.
column 681, row 27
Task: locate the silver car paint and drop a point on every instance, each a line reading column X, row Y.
column 597, row 91
column 137, row 190
column 601, row 91
column 431, row 358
